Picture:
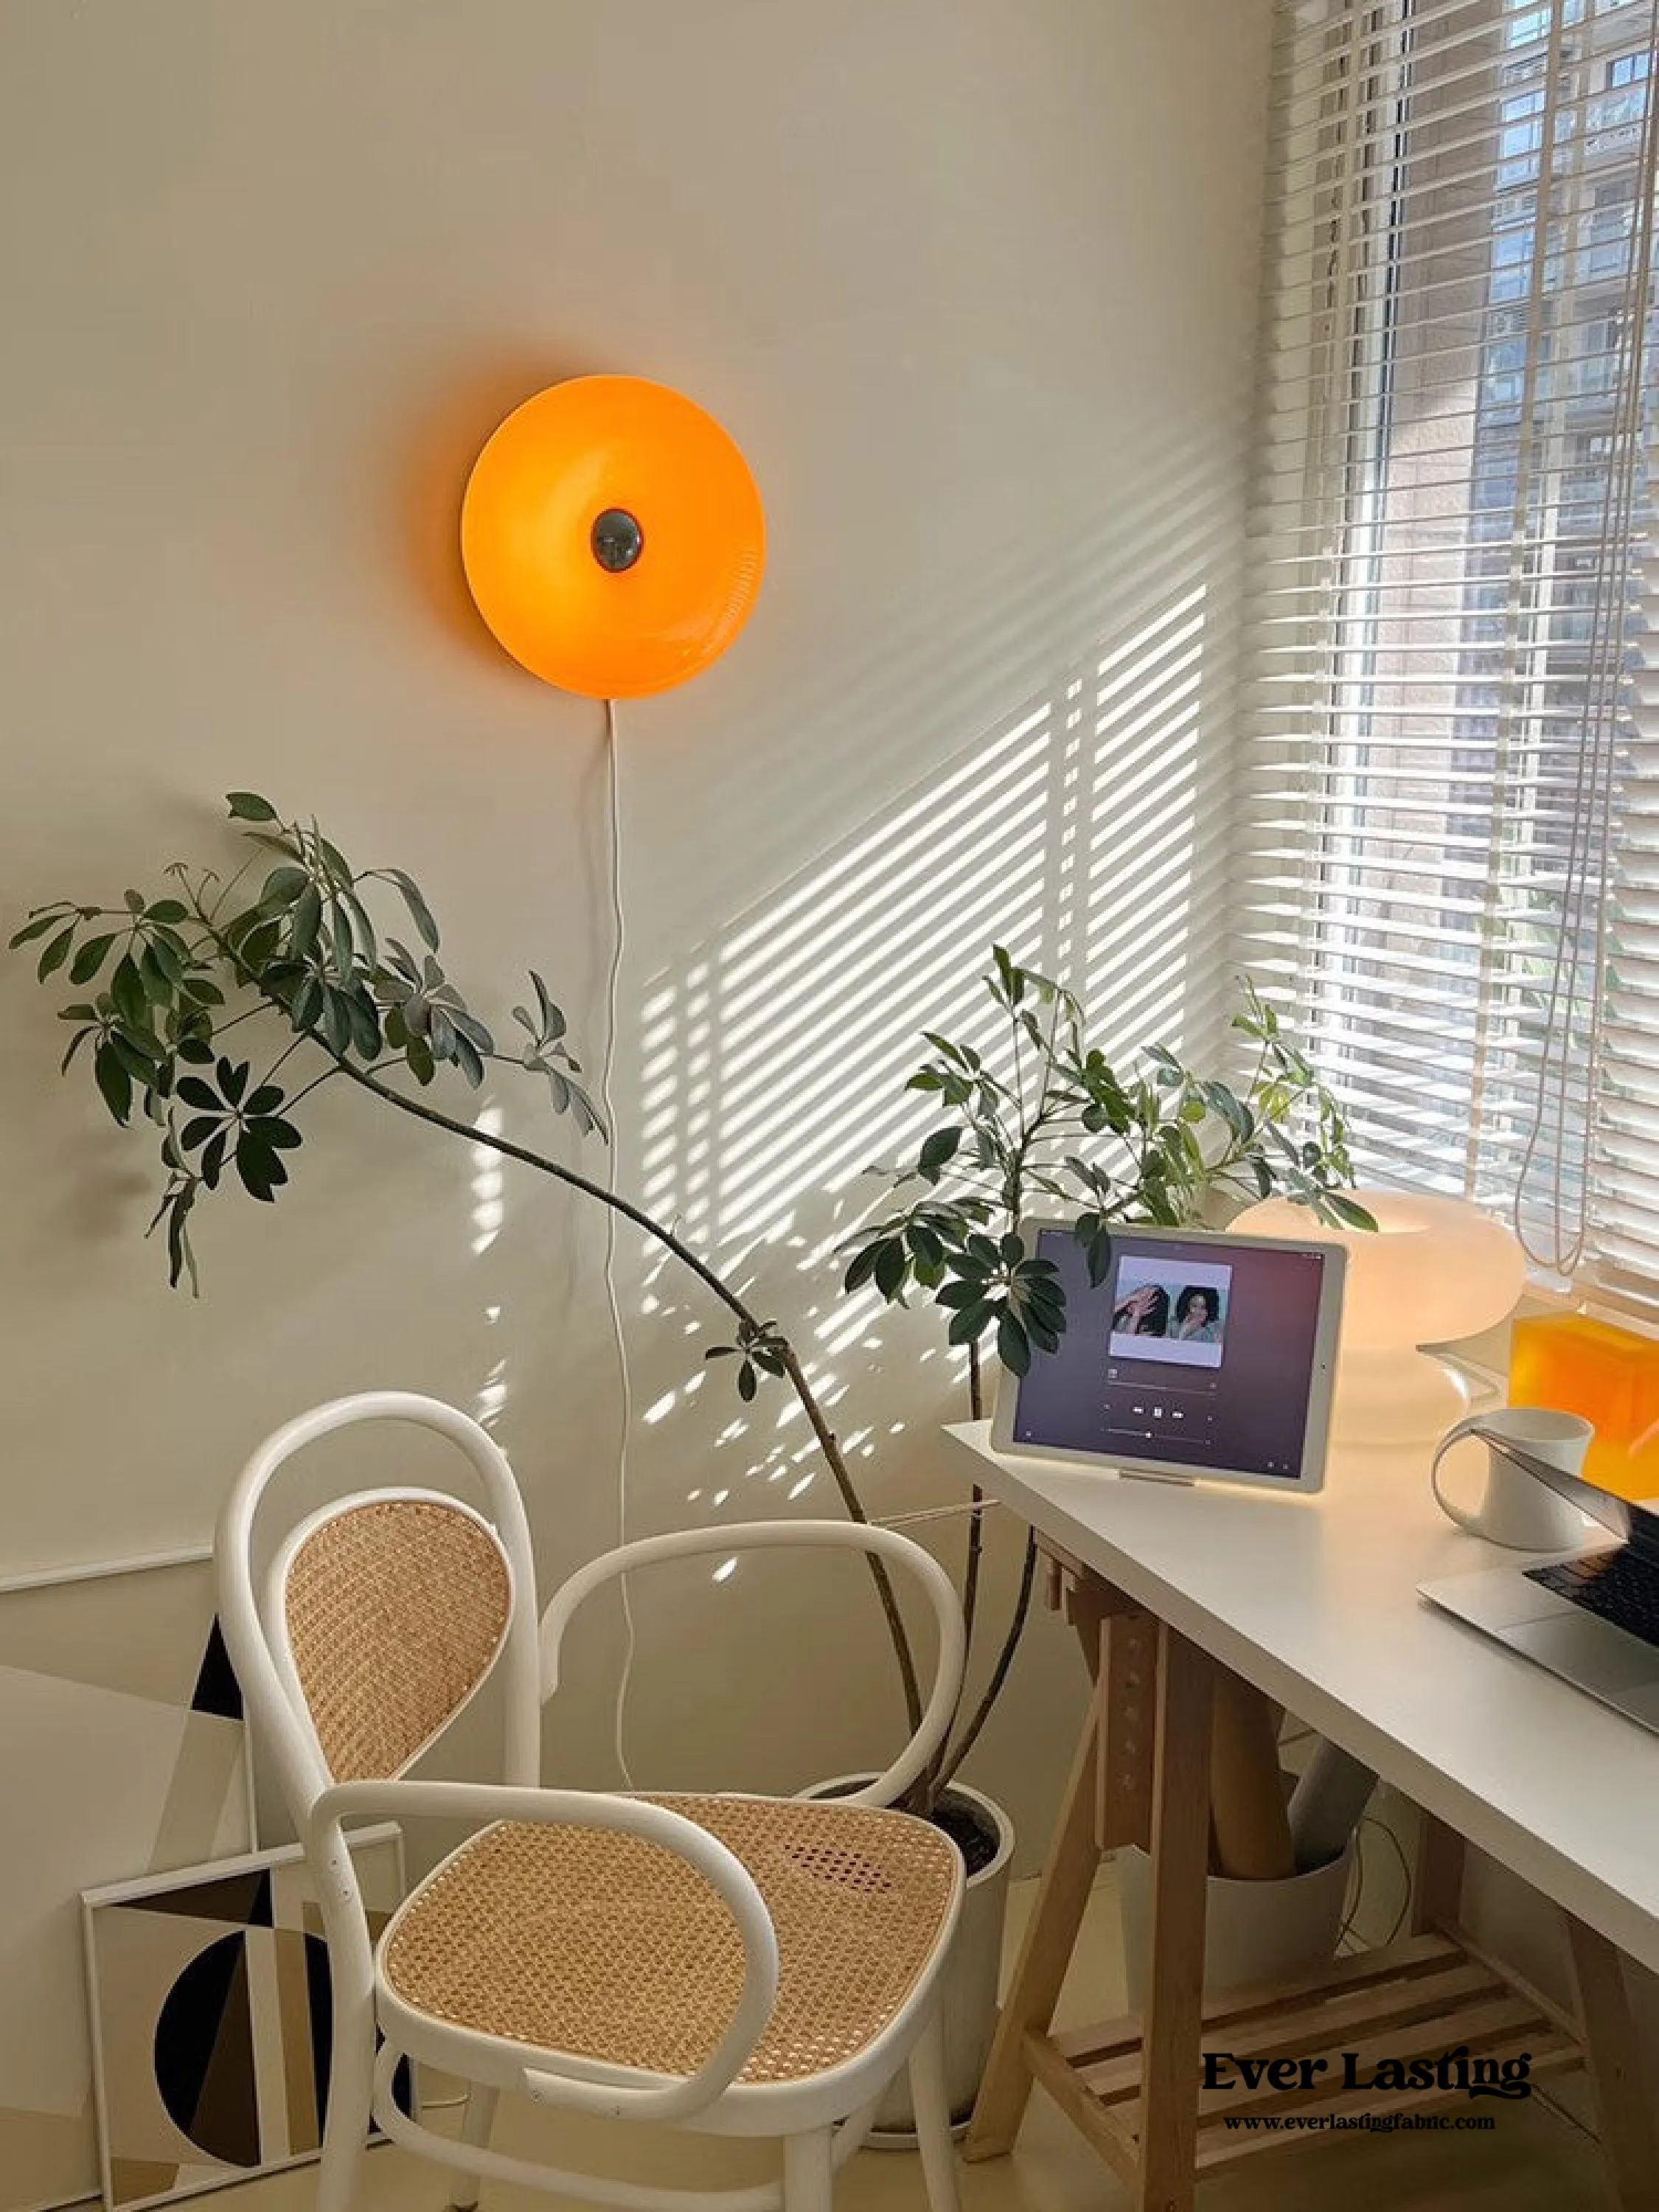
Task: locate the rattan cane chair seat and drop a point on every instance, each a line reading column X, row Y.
column 611, row 1948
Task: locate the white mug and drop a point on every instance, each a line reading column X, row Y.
column 1518, row 1509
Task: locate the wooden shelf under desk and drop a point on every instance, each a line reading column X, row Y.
column 1417, row 1999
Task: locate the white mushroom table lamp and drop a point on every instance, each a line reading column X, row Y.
column 1433, row 1271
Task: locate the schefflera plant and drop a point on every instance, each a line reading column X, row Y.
column 211, row 1013
column 303, row 949
column 1051, row 1125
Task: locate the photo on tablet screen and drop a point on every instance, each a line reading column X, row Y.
column 1177, row 1314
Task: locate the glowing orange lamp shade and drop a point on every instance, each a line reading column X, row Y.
column 613, row 537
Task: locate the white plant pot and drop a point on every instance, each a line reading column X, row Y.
column 968, row 1989
column 1254, row 1931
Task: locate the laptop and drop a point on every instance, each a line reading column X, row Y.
column 1200, row 1354
column 1591, row 1617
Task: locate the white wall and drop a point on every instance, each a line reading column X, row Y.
column 972, row 281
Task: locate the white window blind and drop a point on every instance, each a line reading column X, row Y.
column 1449, row 819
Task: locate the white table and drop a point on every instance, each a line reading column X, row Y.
column 1313, row 1600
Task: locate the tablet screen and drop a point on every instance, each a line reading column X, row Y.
column 1195, row 1353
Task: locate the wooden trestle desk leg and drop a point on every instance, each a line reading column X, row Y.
column 1437, row 1878
column 1104, row 1805
column 1172, row 2027
column 1107, row 1803
column 1623, row 2111
column 1606, row 2026
column 1050, row 1935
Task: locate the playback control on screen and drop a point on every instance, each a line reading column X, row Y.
column 1155, row 1405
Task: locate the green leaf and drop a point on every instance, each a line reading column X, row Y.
column 335, row 1022
column 721, row 1352
column 248, row 807
column 195, row 1092
column 284, row 885
column 861, row 1267
column 126, row 989
column 892, row 1264
column 306, row 921
column 168, row 911
column 197, row 1131
column 265, row 1100
column 1349, row 1211
column 972, row 1321
column 938, row 1149
column 748, row 1381
column 37, row 926
column 1014, row 1347
column 553, row 1022
column 55, row 954
column 259, row 1168
column 307, row 1004
column 135, row 1055
column 926, row 1249
column 90, row 959
column 181, row 1260
column 233, row 1081
column 114, row 1084
column 152, row 975
column 470, row 1027
column 419, row 912
column 365, row 1024
column 467, row 1060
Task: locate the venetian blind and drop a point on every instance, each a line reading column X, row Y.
column 1450, row 817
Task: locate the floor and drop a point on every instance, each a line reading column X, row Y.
column 1533, row 2162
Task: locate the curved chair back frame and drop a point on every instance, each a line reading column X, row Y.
column 778, row 1535
column 256, row 1634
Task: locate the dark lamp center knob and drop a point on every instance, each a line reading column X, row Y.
column 617, row 540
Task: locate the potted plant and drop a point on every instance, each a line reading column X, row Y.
column 1048, row 1124
column 293, row 952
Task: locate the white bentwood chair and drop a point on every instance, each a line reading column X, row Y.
column 731, row 1964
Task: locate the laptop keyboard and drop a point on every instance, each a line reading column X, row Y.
column 1617, row 1586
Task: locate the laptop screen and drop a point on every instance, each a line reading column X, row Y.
column 1638, row 1525
column 1198, row 1354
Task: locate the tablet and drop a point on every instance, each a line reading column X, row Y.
column 1200, row 1353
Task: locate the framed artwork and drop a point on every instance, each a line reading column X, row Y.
column 209, row 1998
column 124, row 1753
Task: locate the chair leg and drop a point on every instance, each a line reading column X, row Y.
column 476, row 2124
column 930, row 2109
column 351, row 2093
column 808, row 2184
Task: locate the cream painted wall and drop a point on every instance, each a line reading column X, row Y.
column 972, row 280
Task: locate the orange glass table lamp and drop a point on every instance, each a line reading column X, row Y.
column 613, row 537
column 1610, row 1376
column 1433, row 1270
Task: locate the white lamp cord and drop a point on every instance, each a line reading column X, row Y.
column 617, row 942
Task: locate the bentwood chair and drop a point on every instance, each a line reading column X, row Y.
column 730, row 1965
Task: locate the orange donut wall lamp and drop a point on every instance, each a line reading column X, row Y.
column 612, row 537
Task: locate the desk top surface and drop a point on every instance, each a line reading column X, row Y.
column 1314, row 1599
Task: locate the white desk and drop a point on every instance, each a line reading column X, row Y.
column 1312, row 1600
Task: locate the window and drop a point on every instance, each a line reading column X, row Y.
column 1449, row 820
